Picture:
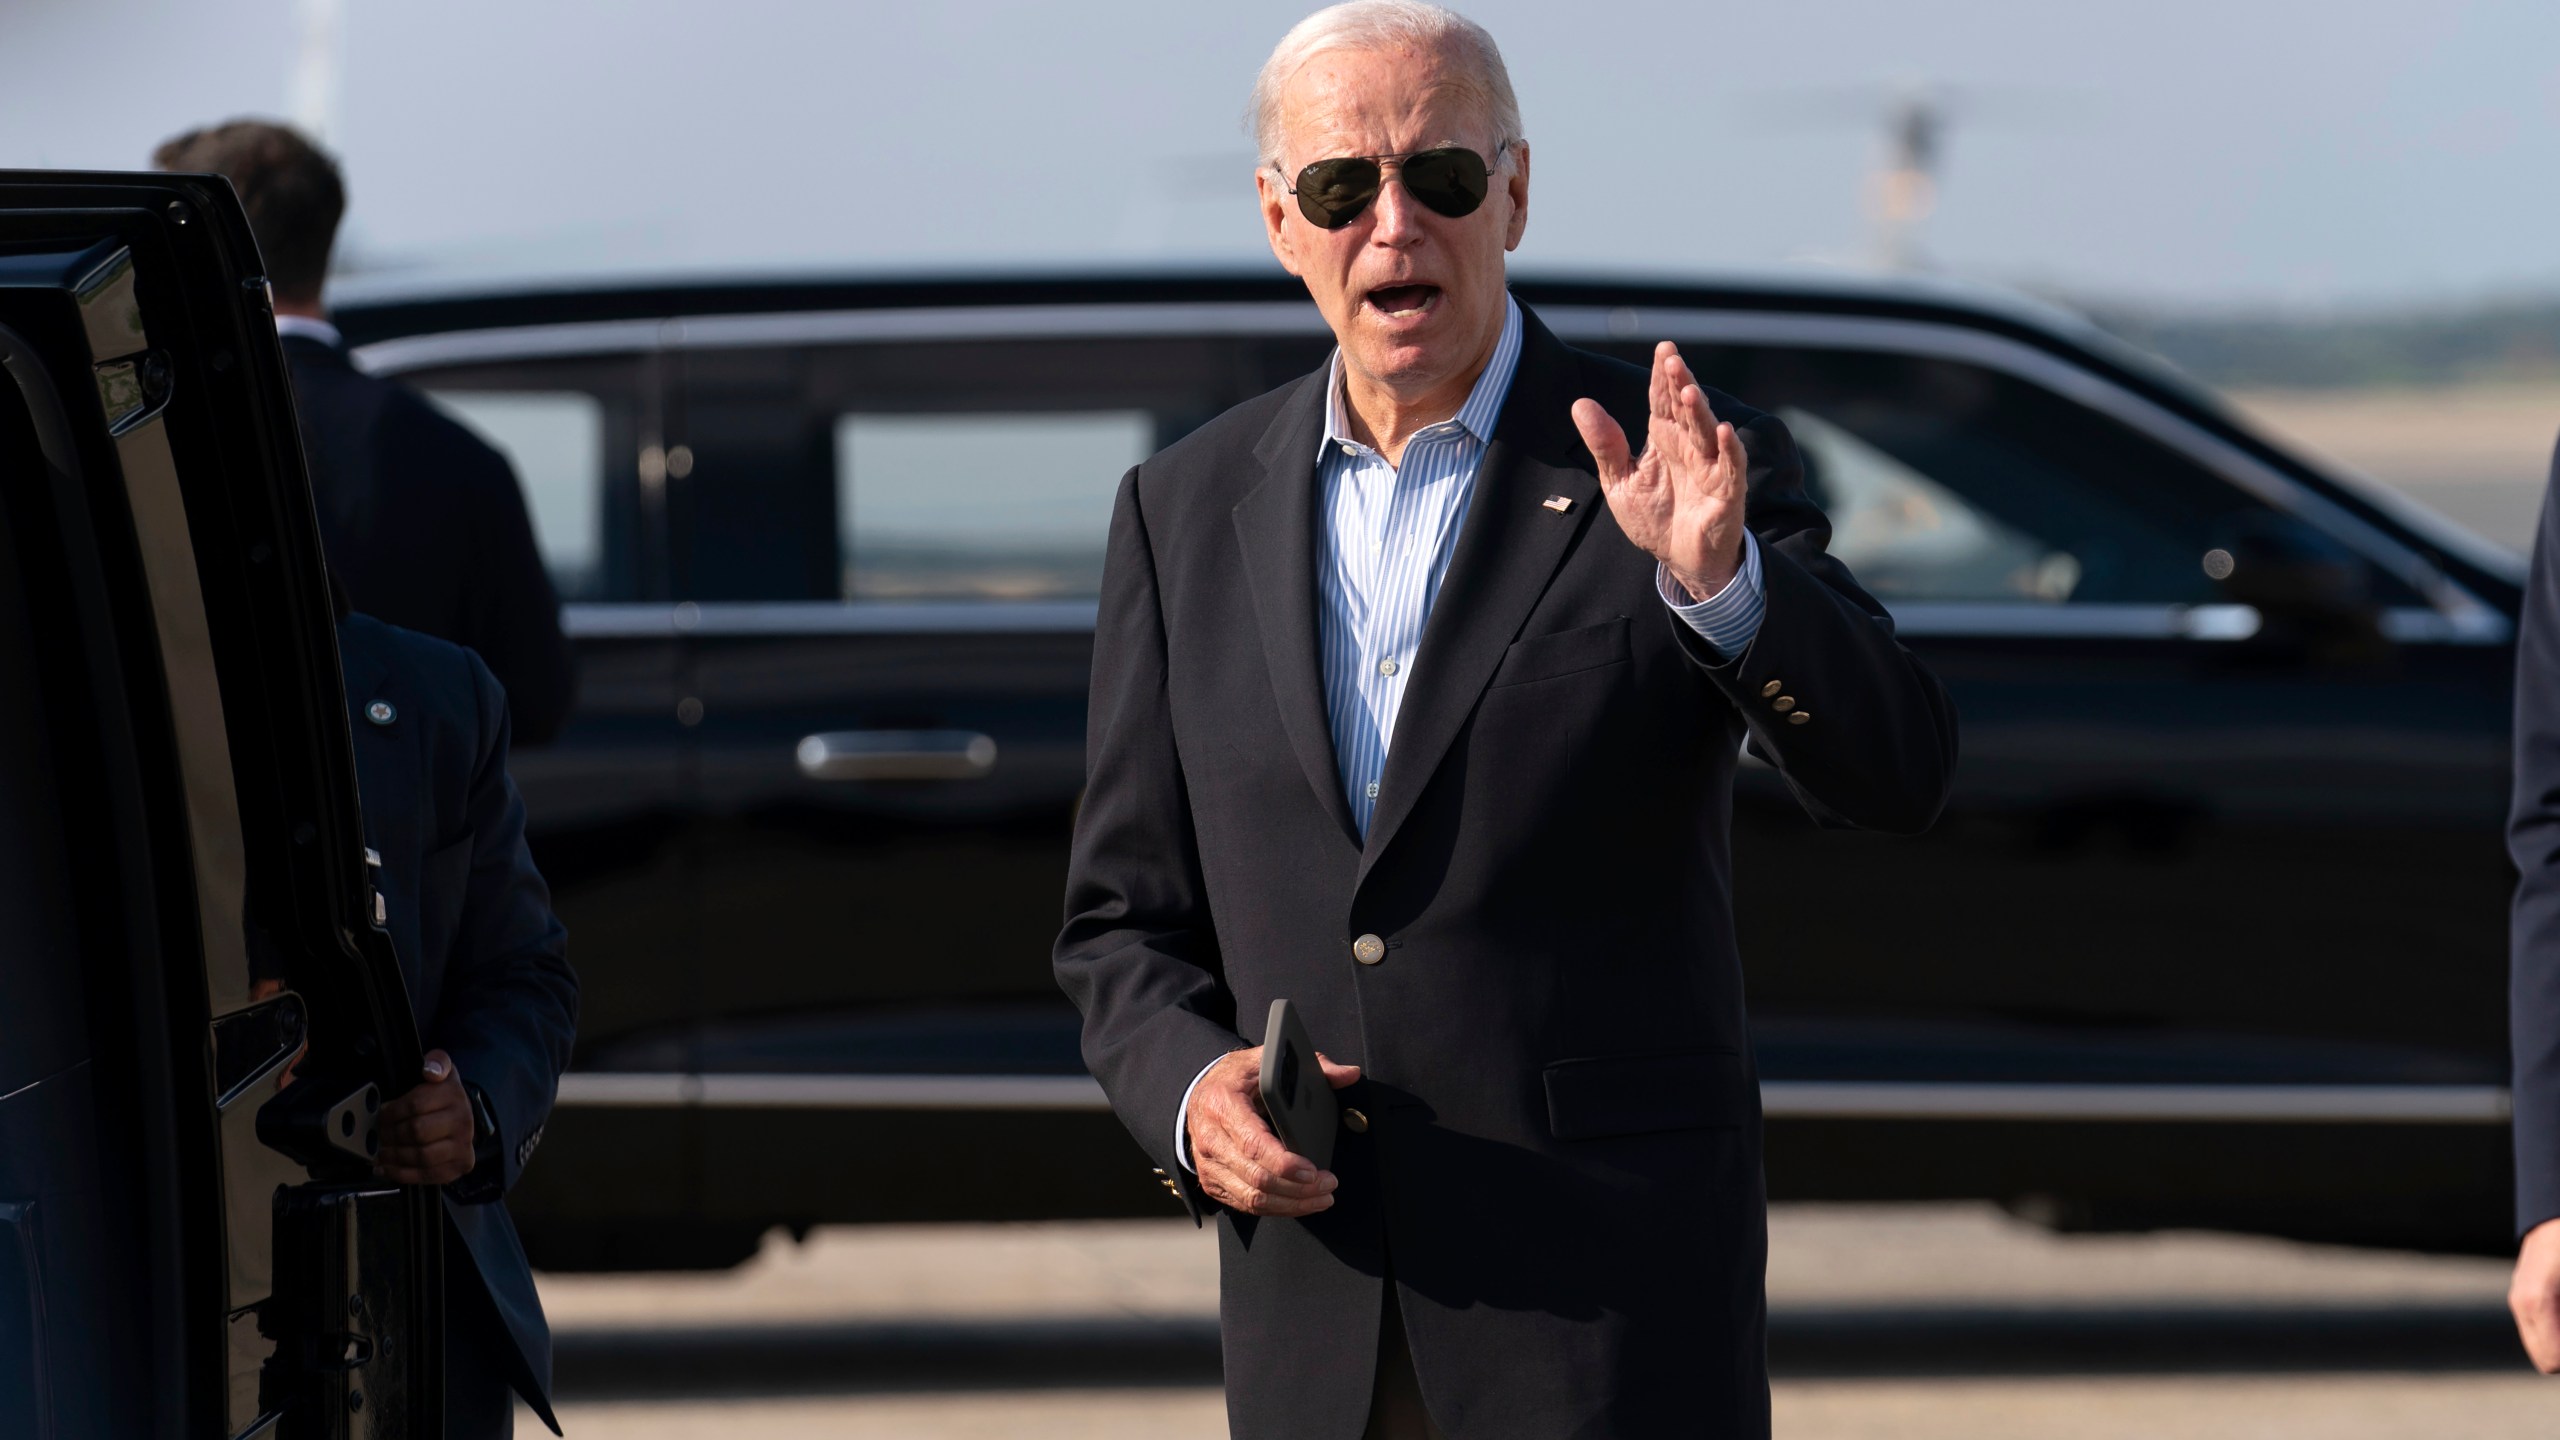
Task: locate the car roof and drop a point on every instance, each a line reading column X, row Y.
column 375, row 308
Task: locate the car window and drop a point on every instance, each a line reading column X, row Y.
column 1002, row 506
column 571, row 428
column 1906, row 536
column 555, row 440
column 1950, row 481
column 904, row 471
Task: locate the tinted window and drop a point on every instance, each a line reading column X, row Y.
column 1908, row 537
column 980, row 506
column 1947, row 481
column 555, row 440
column 941, row 470
column 572, row 429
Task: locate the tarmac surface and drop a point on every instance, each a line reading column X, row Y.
column 1911, row 1322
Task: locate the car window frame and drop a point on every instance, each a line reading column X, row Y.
column 2453, row 615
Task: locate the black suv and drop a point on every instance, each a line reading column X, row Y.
column 2211, row 934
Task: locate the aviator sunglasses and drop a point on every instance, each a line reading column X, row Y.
column 1450, row 180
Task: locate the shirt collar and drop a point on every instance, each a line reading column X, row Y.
column 311, row 329
column 1484, row 402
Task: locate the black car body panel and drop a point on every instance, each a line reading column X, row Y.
column 2211, row 933
column 199, row 1018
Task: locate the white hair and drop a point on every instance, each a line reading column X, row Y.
column 1382, row 25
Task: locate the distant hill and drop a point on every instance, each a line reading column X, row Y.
column 2511, row 341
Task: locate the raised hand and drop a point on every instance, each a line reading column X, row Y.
column 1681, row 502
column 1240, row 1162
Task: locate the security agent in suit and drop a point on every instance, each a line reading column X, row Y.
column 2533, row 1009
column 485, row 961
column 425, row 523
column 1417, row 700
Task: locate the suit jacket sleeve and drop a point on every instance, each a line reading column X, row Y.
column 515, row 614
column 509, row 1010
column 1876, row 742
column 1138, row 954
column 2533, row 839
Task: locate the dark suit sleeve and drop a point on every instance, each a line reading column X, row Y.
column 1138, row 954
column 514, row 619
column 1877, row 746
column 2533, row 839
column 509, row 1010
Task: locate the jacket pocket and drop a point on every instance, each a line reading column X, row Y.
column 1566, row 652
column 1633, row 1094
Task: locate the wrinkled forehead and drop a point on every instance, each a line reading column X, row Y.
column 1381, row 102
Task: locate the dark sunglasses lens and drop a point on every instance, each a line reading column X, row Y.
column 1332, row 193
column 1450, row 181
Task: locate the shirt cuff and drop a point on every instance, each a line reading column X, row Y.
column 1728, row 619
column 1182, row 1120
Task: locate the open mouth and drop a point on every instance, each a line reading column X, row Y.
column 1403, row 302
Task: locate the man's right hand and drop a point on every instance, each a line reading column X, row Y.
column 2534, row 1296
column 1241, row 1164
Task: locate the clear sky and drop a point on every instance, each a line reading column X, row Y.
column 2194, row 152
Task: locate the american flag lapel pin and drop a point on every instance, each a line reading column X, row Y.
column 1558, row 503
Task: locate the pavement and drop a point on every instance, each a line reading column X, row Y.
column 1911, row 1322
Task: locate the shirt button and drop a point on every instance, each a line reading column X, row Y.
column 1368, row 949
column 1373, row 790
column 1387, row 667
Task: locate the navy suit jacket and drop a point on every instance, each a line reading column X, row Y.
column 2533, row 839
column 1560, row 1165
column 426, row 527
column 470, row 917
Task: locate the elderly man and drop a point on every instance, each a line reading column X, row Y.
column 1417, row 699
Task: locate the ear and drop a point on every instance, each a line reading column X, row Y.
column 1276, row 203
column 1517, row 187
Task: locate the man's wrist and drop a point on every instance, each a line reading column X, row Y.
column 1182, row 1118
column 486, row 1179
column 1705, row 585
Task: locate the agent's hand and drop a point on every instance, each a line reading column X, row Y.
column 426, row 1134
column 2534, row 1296
column 1240, row 1162
column 1682, row 501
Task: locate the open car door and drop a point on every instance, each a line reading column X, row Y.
column 198, row 1015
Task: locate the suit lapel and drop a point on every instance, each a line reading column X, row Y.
column 1507, row 552
column 1276, row 526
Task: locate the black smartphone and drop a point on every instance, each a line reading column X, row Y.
column 1294, row 1091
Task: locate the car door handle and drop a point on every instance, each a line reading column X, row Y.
column 897, row 755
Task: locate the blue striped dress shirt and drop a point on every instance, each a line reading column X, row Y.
column 1389, row 533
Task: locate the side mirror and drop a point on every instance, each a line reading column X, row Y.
column 2313, row 596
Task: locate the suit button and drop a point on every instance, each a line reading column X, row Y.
column 1799, row 717
column 1354, row 1121
column 1772, row 688
column 1783, row 704
column 1368, row 949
